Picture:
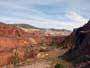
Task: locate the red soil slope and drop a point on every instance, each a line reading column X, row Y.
column 11, row 37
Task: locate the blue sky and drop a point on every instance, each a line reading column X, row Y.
column 59, row 14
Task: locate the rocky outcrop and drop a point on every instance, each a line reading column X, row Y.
column 79, row 44
column 79, row 39
column 11, row 31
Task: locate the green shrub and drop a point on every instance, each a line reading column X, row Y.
column 43, row 50
column 59, row 66
column 15, row 59
column 28, row 51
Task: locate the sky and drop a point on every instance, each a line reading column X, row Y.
column 58, row 14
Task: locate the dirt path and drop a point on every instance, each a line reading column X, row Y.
column 44, row 64
column 50, row 60
column 37, row 65
column 53, row 56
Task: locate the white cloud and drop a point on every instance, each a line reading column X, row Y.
column 76, row 17
column 37, row 17
column 46, row 2
column 42, row 21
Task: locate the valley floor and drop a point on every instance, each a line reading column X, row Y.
column 47, row 59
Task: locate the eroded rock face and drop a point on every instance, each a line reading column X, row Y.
column 11, row 31
column 11, row 37
column 79, row 43
column 79, row 38
column 86, row 27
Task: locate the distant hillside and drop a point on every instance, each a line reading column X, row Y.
column 60, row 30
column 25, row 26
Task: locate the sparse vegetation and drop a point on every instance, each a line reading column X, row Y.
column 28, row 51
column 25, row 26
column 59, row 66
column 43, row 50
column 15, row 59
